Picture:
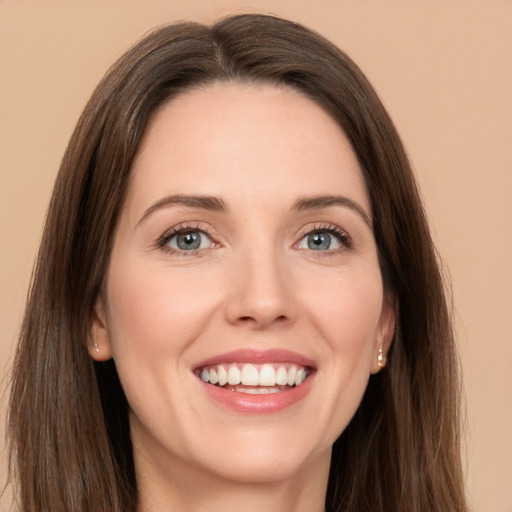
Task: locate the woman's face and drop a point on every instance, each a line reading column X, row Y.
column 244, row 256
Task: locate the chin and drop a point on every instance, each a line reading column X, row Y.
column 265, row 456
column 266, row 467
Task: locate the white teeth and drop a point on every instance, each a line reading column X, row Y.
column 234, row 375
column 267, row 376
column 258, row 391
column 281, row 376
column 223, row 375
column 213, row 376
column 300, row 377
column 291, row 375
column 250, row 375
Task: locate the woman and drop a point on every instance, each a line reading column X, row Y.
column 237, row 303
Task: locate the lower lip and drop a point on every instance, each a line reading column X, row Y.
column 258, row 404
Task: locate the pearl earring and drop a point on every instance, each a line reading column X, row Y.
column 380, row 358
column 96, row 347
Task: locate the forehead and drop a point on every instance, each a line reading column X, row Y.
column 245, row 139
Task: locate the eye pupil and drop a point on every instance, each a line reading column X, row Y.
column 188, row 241
column 319, row 241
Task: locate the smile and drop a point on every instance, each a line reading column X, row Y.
column 254, row 378
column 252, row 381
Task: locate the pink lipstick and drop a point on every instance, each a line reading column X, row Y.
column 255, row 381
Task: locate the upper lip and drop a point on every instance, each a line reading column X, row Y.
column 249, row 355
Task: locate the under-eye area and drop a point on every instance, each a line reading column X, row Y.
column 254, row 378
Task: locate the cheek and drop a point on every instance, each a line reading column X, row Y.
column 154, row 317
column 156, row 311
column 347, row 309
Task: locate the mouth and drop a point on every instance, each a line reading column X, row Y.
column 254, row 378
column 256, row 381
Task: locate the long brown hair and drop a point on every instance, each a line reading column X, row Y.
column 68, row 428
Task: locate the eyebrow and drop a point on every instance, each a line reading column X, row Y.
column 319, row 202
column 216, row 204
column 209, row 203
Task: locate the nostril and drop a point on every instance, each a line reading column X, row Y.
column 280, row 318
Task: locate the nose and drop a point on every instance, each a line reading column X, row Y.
column 260, row 291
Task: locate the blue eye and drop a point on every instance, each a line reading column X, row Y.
column 324, row 240
column 319, row 241
column 190, row 240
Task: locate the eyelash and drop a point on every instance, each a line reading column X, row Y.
column 163, row 240
column 341, row 235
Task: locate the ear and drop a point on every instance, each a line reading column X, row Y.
column 99, row 345
column 384, row 335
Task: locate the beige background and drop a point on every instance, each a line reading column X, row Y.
column 443, row 69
